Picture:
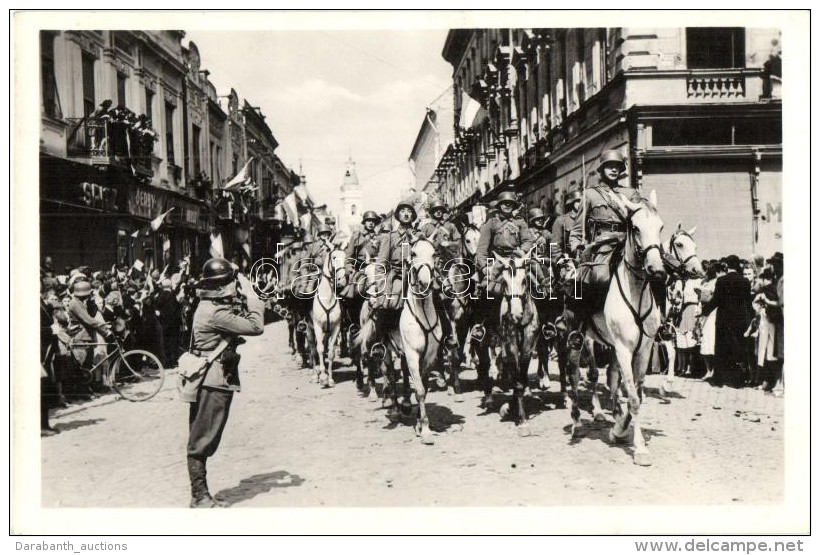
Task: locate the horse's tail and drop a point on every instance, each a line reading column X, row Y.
column 364, row 334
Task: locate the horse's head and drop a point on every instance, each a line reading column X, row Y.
column 515, row 273
column 683, row 248
column 470, row 239
column 643, row 237
column 335, row 265
column 422, row 263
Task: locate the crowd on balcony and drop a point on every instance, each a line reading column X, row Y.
column 120, row 132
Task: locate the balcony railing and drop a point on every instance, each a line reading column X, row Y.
column 103, row 140
column 715, row 86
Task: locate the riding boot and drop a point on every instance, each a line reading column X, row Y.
column 200, row 496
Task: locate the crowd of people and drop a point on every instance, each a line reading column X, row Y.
column 149, row 310
column 730, row 323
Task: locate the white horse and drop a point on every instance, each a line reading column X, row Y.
column 685, row 264
column 420, row 328
column 326, row 314
column 630, row 318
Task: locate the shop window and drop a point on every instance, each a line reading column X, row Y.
column 715, row 47
column 717, row 131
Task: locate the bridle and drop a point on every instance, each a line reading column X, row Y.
column 639, row 253
column 680, row 269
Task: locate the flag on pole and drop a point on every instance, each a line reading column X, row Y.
column 241, row 177
column 290, row 208
column 217, row 250
column 157, row 222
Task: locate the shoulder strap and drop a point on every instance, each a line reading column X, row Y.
column 218, row 351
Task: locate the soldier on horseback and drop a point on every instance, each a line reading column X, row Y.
column 363, row 246
column 563, row 225
column 442, row 233
column 393, row 249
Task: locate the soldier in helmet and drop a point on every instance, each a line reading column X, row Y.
column 602, row 220
column 562, row 228
column 316, row 252
column 363, row 245
column 443, row 233
column 217, row 318
column 395, row 245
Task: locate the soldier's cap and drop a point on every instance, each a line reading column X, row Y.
column 370, row 215
column 508, row 197
column 81, row 289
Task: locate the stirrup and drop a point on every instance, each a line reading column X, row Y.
column 575, row 340
column 378, row 351
column 288, row 316
column 301, row 327
column 478, row 333
column 549, row 331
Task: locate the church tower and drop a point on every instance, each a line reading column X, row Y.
column 351, row 214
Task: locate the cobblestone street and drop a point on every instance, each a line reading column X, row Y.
column 290, row 443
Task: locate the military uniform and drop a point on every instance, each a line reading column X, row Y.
column 503, row 235
column 561, row 231
column 216, row 318
column 443, row 231
column 602, row 221
column 363, row 246
column 394, row 247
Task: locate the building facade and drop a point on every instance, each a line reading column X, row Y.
column 434, row 138
column 696, row 111
column 131, row 127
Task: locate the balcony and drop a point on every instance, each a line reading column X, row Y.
column 716, row 86
column 111, row 140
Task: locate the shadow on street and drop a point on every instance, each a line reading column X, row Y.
column 260, row 483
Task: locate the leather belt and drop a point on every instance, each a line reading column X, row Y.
column 201, row 352
column 609, row 226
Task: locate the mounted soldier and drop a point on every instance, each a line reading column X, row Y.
column 442, row 233
column 316, row 251
column 563, row 225
column 393, row 250
column 362, row 247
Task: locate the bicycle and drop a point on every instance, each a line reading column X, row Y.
column 136, row 375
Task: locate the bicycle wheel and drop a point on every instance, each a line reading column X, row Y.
column 137, row 375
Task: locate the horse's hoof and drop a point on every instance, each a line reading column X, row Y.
column 451, row 391
column 544, row 384
column 504, row 411
column 330, row 383
column 372, row 396
column 486, row 401
column 642, row 458
column 614, row 438
column 406, row 408
column 393, row 414
column 457, row 397
column 599, row 417
column 427, row 438
column 577, row 430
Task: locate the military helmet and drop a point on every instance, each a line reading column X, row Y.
column 216, row 272
column 81, row 289
column 371, row 215
column 612, row 156
column 534, row 213
column 324, row 228
column 406, row 203
column 507, row 196
column 571, row 196
column 437, row 205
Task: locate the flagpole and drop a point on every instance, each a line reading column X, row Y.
column 583, row 199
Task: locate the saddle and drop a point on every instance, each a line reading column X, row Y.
column 596, row 265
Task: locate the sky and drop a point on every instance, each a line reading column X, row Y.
column 330, row 95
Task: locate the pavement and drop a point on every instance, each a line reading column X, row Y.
column 291, row 443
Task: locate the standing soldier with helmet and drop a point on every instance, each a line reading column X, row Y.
column 218, row 323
